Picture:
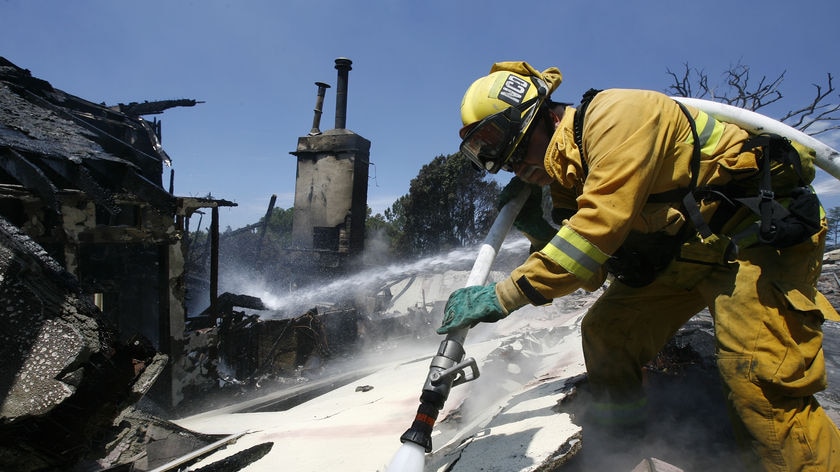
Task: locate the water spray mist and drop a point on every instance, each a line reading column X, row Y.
column 365, row 281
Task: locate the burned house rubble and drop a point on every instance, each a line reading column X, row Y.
column 93, row 269
column 108, row 305
column 67, row 375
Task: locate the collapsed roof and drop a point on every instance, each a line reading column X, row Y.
column 52, row 141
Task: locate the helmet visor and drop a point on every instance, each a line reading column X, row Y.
column 492, row 141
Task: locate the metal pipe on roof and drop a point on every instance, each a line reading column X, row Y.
column 342, row 64
column 319, row 103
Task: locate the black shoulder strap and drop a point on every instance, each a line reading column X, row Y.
column 578, row 125
column 689, row 202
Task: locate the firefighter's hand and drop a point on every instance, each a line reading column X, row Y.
column 530, row 219
column 468, row 306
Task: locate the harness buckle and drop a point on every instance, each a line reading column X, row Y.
column 766, row 194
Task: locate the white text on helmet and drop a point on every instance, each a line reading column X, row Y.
column 513, row 90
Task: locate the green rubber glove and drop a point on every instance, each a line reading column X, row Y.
column 468, row 306
column 530, row 219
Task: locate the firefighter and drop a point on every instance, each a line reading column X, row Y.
column 676, row 207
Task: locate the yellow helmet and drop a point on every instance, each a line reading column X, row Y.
column 498, row 109
column 496, row 92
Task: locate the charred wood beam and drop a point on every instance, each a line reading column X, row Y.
column 189, row 205
column 81, row 177
column 241, row 230
column 30, row 176
column 122, row 178
column 100, row 195
column 156, row 107
column 149, row 191
column 214, row 257
column 226, row 301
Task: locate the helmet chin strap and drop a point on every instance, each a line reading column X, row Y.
column 542, row 115
column 528, row 172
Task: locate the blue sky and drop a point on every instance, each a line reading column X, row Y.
column 255, row 64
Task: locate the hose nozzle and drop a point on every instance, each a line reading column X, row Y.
column 420, row 431
column 447, row 370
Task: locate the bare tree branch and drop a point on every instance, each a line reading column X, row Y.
column 740, row 93
column 819, row 116
column 816, row 111
column 682, row 85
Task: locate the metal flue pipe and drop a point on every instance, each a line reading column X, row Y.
column 343, row 65
column 448, row 366
column 319, row 103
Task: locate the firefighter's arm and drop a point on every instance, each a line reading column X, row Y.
column 540, row 279
column 530, row 219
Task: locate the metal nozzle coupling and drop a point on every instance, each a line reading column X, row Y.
column 447, row 369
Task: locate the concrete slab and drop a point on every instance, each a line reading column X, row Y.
column 351, row 428
column 535, row 435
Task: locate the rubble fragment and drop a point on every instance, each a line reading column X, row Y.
column 66, row 375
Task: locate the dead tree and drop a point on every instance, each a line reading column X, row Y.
column 817, row 117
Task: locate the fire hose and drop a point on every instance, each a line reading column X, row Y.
column 448, row 367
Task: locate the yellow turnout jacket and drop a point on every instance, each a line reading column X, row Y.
column 636, row 143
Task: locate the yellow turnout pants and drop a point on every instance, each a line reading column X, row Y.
column 767, row 314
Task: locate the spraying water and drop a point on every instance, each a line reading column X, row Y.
column 368, row 280
column 410, row 457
